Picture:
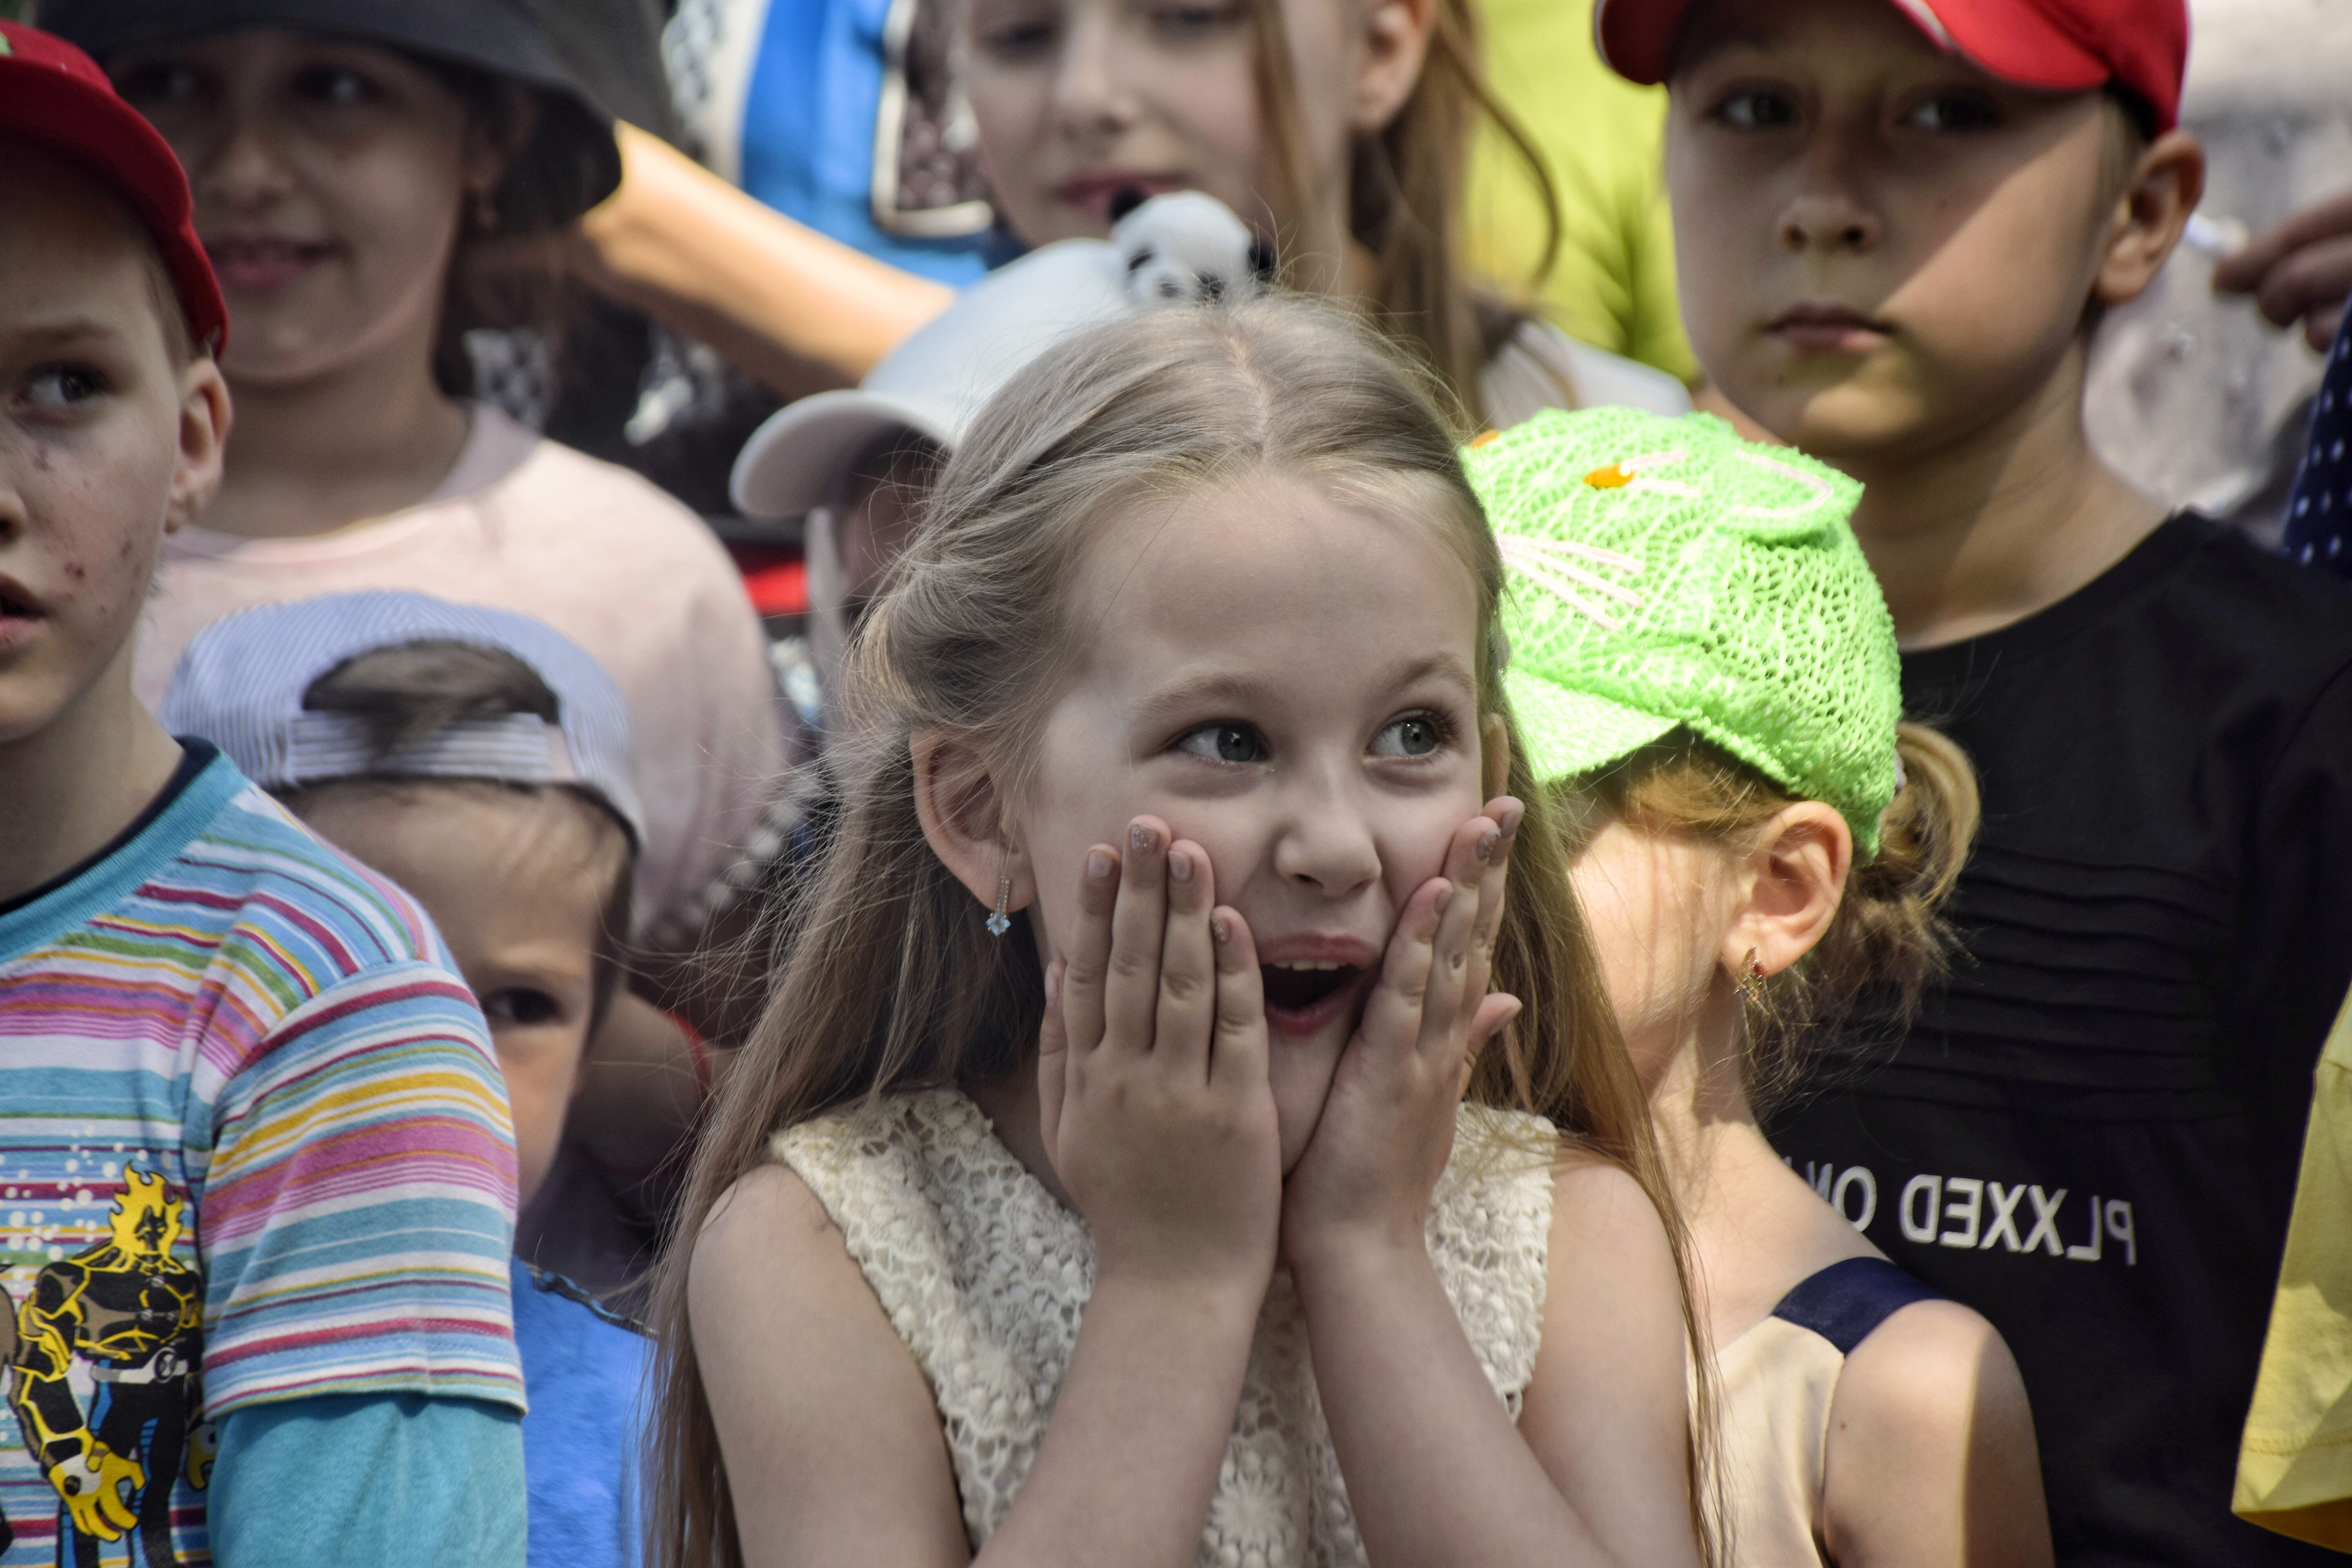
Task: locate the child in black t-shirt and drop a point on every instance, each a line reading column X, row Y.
column 1897, row 226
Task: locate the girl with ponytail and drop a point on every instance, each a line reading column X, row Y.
column 1706, row 680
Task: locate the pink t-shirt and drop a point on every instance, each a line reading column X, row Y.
column 525, row 524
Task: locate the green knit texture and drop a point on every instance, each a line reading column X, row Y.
column 1666, row 573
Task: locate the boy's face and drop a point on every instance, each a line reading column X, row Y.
column 1883, row 245
column 517, row 882
column 108, row 439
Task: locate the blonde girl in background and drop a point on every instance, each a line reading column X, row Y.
column 1132, row 1152
column 1338, row 130
column 1707, row 681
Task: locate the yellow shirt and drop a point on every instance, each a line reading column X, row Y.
column 2295, row 1465
column 1612, row 282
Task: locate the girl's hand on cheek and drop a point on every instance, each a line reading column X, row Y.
column 1387, row 1126
column 1156, row 1108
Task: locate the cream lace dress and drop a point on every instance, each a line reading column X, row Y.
column 985, row 1277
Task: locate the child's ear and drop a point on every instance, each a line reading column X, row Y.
column 1795, row 881
column 1494, row 755
column 204, row 420
column 489, row 148
column 1395, row 47
column 963, row 816
column 2165, row 184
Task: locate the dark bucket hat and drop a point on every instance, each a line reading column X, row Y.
column 571, row 161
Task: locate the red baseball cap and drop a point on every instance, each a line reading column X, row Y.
column 2059, row 46
column 52, row 93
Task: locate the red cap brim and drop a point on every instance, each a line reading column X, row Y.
column 2056, row 46
column 2012, row 39
column 86, row 121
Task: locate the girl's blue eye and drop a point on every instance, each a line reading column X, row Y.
column 1954, row 111
column 1414, row 736
column 1756, row 109
column 521, row 1005
column 1226, row 742
column 63, row 386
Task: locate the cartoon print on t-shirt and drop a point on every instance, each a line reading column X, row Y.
column 133, row 1314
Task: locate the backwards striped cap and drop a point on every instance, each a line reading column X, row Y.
column 240, row 685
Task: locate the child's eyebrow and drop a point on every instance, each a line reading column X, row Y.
column 1750, row 37
column 1196, row 692
column 1442, row 667
column 69, row 333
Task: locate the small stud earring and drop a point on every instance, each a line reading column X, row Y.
column 999, row 922
column 1750, row 985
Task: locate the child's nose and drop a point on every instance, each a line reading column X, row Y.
column 1828, row 217
column 1091, row 94
column 243, row 165
column 1325, row 841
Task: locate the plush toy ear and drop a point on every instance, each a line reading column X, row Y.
column 962, row 812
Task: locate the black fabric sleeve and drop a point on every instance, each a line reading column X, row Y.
column 2297, row 946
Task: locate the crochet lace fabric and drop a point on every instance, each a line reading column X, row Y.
column 985, row 1277
column 1665, row 573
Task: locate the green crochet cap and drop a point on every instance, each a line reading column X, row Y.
column 1666, row 573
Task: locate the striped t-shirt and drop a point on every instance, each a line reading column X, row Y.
column 253, row 1147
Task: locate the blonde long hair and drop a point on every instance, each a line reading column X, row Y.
column 886, row 979
column 1404, row 193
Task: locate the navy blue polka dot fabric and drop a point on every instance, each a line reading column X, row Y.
column 2319, row 511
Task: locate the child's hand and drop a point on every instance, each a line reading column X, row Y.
column 1388, row 1124
column 1152, row 1072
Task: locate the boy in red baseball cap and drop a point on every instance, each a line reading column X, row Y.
column 261, row 1178
column 1898, row 224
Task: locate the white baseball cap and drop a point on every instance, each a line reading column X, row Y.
column 1183, row 247
column 240, row 685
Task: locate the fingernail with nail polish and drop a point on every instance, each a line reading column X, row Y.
column 1142, row 838
column 1486, row 844
column 1100, row 866
column 1220, row 930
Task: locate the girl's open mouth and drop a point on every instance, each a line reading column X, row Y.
column 1302, row 997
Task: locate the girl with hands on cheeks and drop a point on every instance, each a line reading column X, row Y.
column 1189, row 1126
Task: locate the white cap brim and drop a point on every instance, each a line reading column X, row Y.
column 796, row 460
